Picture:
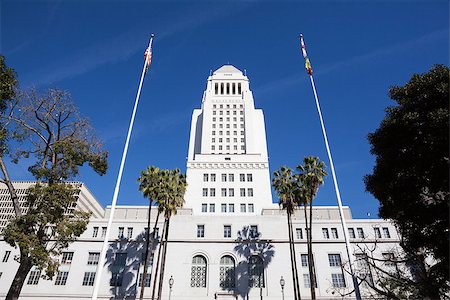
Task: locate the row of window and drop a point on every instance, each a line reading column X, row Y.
column 224, row 207
column 230, row 192
column 227, row 272
column 227, row 106
column 227, row 119
column 227, row 89
column 229, row 177
column 351, row 232
column 227, row 140
column 228, row 132
column 252, row 233
column 227, row 147
column 228, row 112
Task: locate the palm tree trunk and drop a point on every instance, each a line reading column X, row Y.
column 11, row 189
column 310, row 256
column 147, row 249
column 292, row 253
column 295, row 261
column 18, row 281
column 163, row 260
column 155, row 275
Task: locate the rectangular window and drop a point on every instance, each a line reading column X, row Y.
column 224, row 192
column 306, row 280
column 231, row 207
column 213, row 177
column 205, row 177
column 67, row 258
column 103, row 231
column 116, row 279
column 377, row 232
column 227, row 231
column 250, row 192
column 94, row 232
column 61, row 278
column 242, row 177
column 338, row 280
column 93, row 258
column 242, row 192
column 34, row 276
column 254, row 233
column 243, row 206
column 386, row 233
column 299, row 233
column 212, row 192
column 251, row 208
column 204, row 207
column 147, row 279
column 334, row 260
column 224, row 177
column 360, row 232
column 231, row 177
column 130, row 233
column 304, row 259
column 120, row 235
column 6, row 256
column 231, row 192
column 351, row 233
column 89, row 278
column 212, row 207
column 223, row 208
column 200, row 231
column 249, row 177
column 325, row 233
column 334, row 233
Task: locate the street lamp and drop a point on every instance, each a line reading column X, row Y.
column 170, row 285
column 282, row 282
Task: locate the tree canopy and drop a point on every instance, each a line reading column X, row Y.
column 48, row 129
column 411, row 174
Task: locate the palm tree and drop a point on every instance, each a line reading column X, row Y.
column 171, row 198
column 285, row 186
column 149, row 185
column 310, row 177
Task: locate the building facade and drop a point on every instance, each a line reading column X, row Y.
column 229, row 241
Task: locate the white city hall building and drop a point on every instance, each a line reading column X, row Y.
column 229, row 241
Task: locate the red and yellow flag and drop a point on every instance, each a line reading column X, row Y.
column 147, row 58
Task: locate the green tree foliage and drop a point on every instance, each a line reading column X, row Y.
column 310, row 177
column 411, row 174
column 8, row 84
column 48, row 129
column 166, row 188
column 295, row 190
column 286, row 186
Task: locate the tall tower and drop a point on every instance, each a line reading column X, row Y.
column 228, row 167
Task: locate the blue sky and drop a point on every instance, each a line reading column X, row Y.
column 358, row 49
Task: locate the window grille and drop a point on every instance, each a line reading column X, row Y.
column 227, row 272
column 198, row 271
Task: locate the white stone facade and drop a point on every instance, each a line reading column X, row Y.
column 213, row 253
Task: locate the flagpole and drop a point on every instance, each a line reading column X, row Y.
column 333, row 173
column 102, row 258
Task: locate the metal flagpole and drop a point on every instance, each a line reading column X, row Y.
column 119, row 178
column 333, row 173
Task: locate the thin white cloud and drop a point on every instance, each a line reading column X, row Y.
column 119, row 49
column 340, row 65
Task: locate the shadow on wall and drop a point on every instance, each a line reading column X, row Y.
column 256, row 254
column 123, row 259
